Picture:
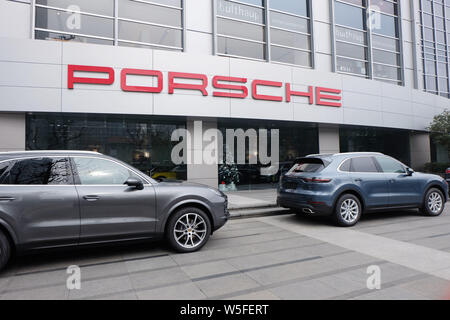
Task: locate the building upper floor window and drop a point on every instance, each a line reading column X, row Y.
column 141, row 23
column 275, row 30
column 435, row 37
column 367, row 39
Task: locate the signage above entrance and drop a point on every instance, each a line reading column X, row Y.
column 230, row 87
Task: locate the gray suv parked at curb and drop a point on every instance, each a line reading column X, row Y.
column 70, row 198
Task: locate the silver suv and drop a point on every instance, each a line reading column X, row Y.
column 72, row 198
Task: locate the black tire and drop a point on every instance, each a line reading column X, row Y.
column 5, row 250
column 427, row 207
column 355, row 211
column 178, row 220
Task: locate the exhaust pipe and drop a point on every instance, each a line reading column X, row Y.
column 308, row 211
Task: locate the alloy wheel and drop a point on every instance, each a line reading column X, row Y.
column 435, row 202
column 349, row 210
column 190, row 230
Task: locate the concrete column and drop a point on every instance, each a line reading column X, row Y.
column 420, row 150
column 200, row 172
column 329, row 139
column 12, row 132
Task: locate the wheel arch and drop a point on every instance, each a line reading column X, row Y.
column 186, row 204
column 431, row 186
column 353, row 192
column 9, row 233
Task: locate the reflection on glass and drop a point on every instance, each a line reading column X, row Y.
column 39, row 171
column 141, row 141
column 392, row 142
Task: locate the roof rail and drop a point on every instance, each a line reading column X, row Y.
column 50, row 151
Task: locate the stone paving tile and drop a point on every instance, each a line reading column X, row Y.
column 160, row 278
column 59, row 292
column 392, row 293
column 225, row 285
column 306, row 290
column 430, row 287
column 263, row 259
column 93, row 288
column 293, row 271
column 150, row 264
column 259, row 295
column 119, row 296
column 185, row 291
column 208, row 269
column 434, row 242
column 37, row 280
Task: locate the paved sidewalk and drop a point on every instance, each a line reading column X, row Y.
column 279, row 257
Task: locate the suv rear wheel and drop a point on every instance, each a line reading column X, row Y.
column 347, row 211
column 433, row 204
column 5, row 250
column 188, row 229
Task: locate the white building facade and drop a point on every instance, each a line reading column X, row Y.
column 118, row 76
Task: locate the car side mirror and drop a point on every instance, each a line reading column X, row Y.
column 409, row 171
column 135, row 183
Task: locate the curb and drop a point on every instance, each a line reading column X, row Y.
column 257, row 212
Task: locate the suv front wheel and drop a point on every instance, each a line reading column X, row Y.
column 347, row 211
column 433, row 204
column 5, row 250
column 188, row 229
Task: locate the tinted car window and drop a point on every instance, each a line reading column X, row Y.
column 93, row 171
column 389, row 165
column 306, row 167
column 363, row 164
column 38, row 171
column 346, row 165
column 3, row 169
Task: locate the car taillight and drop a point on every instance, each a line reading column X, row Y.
column 317, row 180
column 447, row 171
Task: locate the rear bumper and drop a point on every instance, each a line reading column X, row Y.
column 319, row 205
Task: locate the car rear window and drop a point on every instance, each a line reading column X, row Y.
column 308, row 165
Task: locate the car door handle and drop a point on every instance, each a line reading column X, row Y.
column 7, row 199
column 91, row 198
column 392, row 181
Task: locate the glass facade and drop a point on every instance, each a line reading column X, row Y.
column 295, row 140
column 273, row 30
column 139, row 23
column 367, row 39
column 435, row 36
column 142, row 141
column 392, row 142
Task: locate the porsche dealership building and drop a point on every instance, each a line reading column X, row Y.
column 119, row 76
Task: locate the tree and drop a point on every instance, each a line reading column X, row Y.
column 440, row 130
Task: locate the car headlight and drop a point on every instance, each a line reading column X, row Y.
column 217, row 192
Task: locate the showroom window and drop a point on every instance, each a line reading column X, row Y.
column 139, row 23
column 367, row 39
column 392, row 142
column 271, row 30
column 435, row 34
column 141, row 141
column 295, row 140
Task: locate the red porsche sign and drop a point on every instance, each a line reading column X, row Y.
column 236, row 87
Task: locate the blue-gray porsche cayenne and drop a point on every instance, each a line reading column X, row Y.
column 348, row 184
